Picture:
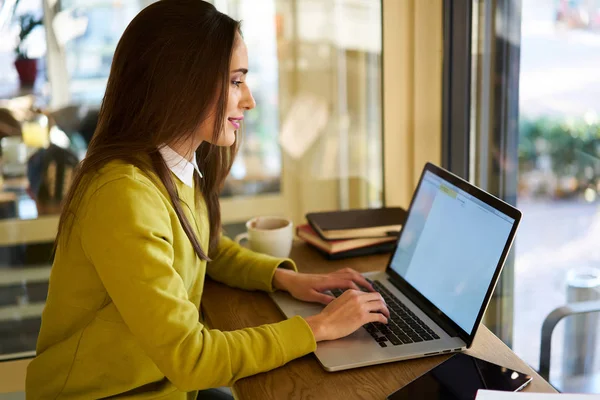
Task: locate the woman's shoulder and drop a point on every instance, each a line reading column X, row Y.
column 121, row 175
column 122, row 193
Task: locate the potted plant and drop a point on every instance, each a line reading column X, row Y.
column 26, row 67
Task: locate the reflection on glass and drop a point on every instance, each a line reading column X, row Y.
column 15, row 18
column 38, row 170
column 258, row 166
column 315, row 74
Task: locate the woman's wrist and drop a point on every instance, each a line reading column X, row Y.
column 282, row 278
column 316, row 326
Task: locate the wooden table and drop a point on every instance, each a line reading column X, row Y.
column 12, row 375
column 304, row 378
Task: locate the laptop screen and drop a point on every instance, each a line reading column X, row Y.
column 450, row 247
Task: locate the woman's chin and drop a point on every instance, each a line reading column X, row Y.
column 228, row 138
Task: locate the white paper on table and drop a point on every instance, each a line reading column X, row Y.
column 496, row 395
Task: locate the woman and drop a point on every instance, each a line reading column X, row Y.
column 141, row 227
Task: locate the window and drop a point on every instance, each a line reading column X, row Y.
column 534, row 104
column 318, row 93
column 34, row 46
column 559, row 127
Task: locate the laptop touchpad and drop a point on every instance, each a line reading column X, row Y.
column 308, row 310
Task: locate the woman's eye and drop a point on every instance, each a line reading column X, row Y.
column 237, row 83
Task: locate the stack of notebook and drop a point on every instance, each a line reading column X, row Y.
column 341, row 234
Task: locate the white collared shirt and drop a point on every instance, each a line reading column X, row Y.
column 179, row 165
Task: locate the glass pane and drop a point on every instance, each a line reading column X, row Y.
column 91, row 32
column 23, row 36
column 35, row 177
column 315, row 70
column 544, row 155
column 257, row 168
column 24, row 265
column 558, row 260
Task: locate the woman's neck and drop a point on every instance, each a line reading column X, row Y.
column 185, row 148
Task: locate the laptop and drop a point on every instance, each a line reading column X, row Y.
column 438, row 281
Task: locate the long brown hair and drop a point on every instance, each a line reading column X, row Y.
column 169, row 73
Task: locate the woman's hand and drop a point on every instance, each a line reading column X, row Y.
column 347, row 313
column 343, row 315
column 310, row 287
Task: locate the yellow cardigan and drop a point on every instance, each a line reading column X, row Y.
column 122, row 316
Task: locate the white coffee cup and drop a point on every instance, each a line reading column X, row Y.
column 269, row 235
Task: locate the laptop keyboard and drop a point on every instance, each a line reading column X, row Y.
column 403, row 327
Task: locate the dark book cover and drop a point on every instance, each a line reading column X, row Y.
column 357, row 223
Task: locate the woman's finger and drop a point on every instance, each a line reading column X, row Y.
column 357, row 278
column 375, row 317
column 371, row 296
column 319, row 297
column 338, row 283
column 377, row 306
